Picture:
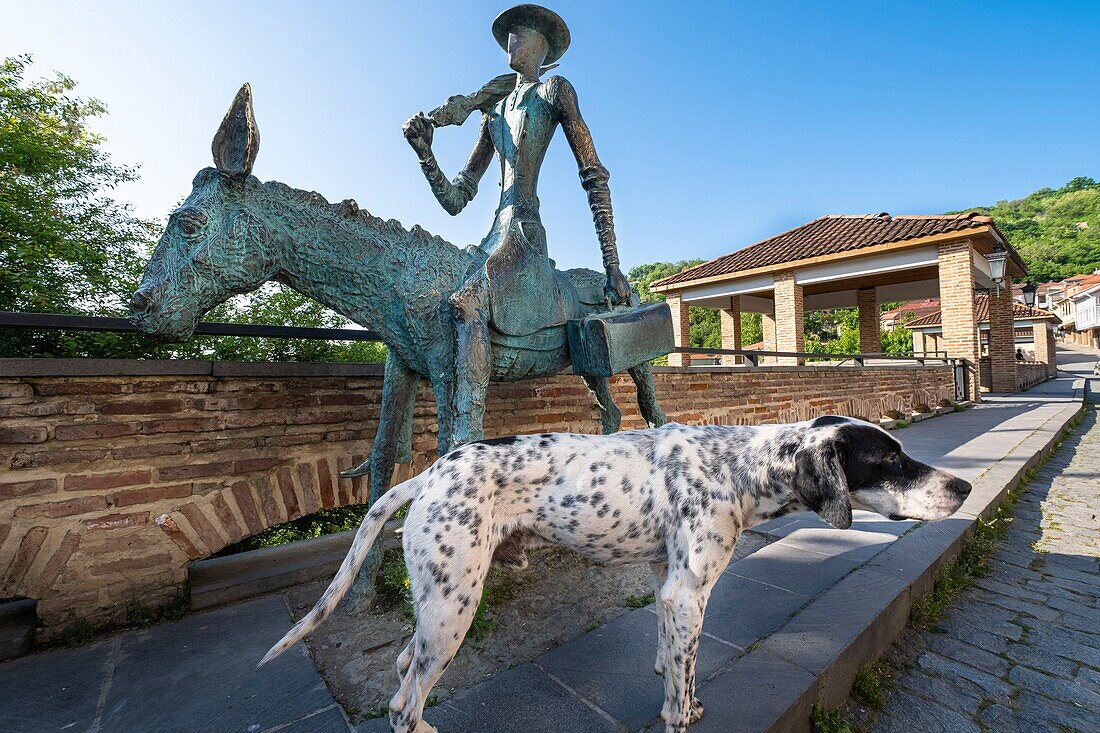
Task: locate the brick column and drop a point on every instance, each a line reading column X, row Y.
column 731, row 328
column 1043, row 335
column 960, row 328
column 788, row 317
column 767, row 335
column 870, row 333
column 919, row 342
column 1002, row 342
column 681, row 328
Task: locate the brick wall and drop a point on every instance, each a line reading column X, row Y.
column 112, row 482
column 1030, row 373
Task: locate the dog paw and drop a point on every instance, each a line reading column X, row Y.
column 696, row 711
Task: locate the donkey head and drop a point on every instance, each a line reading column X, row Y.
column 215, row 245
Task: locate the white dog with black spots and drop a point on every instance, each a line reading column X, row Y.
column 677, row 497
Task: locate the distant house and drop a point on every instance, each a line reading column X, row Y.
column 908, row 311
column 928, row 330
column 1086, row 307
column 1065, row 298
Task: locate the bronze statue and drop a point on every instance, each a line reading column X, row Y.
column 514, row 292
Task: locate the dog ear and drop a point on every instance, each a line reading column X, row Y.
column 820, row 483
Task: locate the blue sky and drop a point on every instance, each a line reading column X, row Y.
column 722, row 123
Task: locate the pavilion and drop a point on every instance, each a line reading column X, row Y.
column 861, row 261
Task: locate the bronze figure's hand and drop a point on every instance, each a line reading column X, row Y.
column 617, row 289
column 419, row 131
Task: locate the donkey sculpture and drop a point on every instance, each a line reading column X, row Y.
column 233, row 233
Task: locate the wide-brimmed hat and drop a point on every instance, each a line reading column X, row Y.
column 538, row 18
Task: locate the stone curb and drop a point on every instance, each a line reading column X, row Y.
column 859, row 618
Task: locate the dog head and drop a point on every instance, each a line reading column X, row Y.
column 843, row 462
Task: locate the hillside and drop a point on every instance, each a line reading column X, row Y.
column 1056, row 231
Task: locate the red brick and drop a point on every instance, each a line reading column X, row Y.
column 24, row 557
column 230, row 526
column 138, row 562
column 17, row 489
column 242, row 497
column 34, row 434
column 178, row 536
column 151, row 494
column 290, row 498
column 255, row 464
column 48, row 388
column 180, row 425
column 117, row 521
column 67, row 508
column 195, row 470
column 153, row 450
column 203, row 527
column 328, row 498
column 95, row 430
column 141, row 407
column 100, row 481
column 56, row 564
column 312, row 499
column 56, row 457
column 268, row 502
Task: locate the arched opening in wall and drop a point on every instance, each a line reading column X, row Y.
column 285, row 555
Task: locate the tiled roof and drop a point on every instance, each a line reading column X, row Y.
column 1020, row 312
column 915, row 308
column 829, row 235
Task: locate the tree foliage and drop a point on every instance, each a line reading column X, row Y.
column 1056, row 231
column 67, row 246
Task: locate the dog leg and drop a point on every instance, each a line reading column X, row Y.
column 682, row 603
column 610, row 416
column 657, row 573
column 446, row 591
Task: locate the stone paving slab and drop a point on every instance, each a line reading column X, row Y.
column 190, row 676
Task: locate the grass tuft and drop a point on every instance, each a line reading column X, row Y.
column 640, row 601
column 872, row 684
column 830, row 721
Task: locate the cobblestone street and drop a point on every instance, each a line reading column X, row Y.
column 1020, row 652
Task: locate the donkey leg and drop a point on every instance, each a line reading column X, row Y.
column 473, row 361
column 647, row 395
column 399, row 388
column 610, row 417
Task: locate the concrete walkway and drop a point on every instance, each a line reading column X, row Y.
column 1021, row 651
column 197, row 675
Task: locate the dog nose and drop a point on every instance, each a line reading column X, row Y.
column 140, row 303
column 960, row 487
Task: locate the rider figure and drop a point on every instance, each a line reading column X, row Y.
column 514, row 290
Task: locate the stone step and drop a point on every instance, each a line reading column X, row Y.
column 220, row 580
column 18, row 621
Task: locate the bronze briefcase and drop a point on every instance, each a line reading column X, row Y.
column 608, row 343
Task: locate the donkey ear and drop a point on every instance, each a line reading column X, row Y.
column 820, row 484
column 237, row 140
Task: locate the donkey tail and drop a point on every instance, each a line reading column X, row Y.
column 386, row 506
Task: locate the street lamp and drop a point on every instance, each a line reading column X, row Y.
column 1029, row 295
column 997, row 260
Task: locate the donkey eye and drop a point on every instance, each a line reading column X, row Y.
column 192, row 224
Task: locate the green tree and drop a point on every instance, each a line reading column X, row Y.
column 67, row 246
column 1056, row 231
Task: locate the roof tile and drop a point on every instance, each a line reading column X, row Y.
column 829, row 235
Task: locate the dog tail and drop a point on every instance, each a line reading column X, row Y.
column 386, row 506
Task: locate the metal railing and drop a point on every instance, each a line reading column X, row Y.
column 753, row 356
column 63, row 322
